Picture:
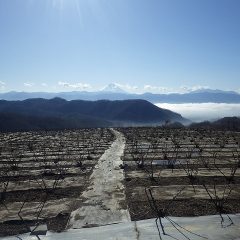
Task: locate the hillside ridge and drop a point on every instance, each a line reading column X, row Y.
column 80, row 113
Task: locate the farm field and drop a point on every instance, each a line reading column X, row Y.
column 75, row 179
column 42, row 175
column 180, row 172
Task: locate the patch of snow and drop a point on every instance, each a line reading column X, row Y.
column 209, row 227
column 103, row 198
column 113, row 88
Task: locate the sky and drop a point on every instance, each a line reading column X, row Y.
column 141, row 45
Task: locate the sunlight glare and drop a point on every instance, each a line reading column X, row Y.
column 78, row 7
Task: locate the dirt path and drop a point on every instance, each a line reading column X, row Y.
column 104, row 200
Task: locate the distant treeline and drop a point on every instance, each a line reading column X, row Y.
column 13, row 122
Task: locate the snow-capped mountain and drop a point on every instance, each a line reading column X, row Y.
column 113, row 88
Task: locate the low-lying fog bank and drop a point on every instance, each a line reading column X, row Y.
column 198, row 112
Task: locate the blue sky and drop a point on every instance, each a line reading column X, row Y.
column 142, row 45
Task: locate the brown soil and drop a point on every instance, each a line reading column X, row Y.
column 38, row 195
column 17, row 227
column 179, row 208
column 131, row 183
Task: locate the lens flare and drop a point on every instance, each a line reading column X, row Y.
column 79, row 7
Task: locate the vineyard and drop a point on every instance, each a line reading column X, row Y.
column 167, row 173
column 43, row 174
column 179, row 172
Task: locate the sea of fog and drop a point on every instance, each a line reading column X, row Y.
column 203, row 111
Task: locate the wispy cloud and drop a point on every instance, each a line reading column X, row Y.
column 186, row 89
column 44, row 84
column 80, row 86
column 27, row 84
column 181, row 89
column 127, row 87
column 156, row 89
column 2, row 85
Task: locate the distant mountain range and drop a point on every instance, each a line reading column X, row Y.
column 57, row 113
column 113, row 92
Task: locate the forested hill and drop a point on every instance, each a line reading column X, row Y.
column 58, row 113
column 226, row 123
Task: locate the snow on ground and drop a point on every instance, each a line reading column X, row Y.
column 104, row 199
column 209, row 227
